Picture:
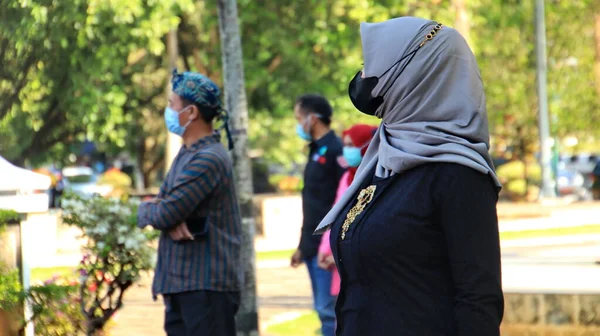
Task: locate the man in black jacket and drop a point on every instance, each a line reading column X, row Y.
column 321, row 178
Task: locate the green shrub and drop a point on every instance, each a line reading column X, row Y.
column 11, row 292
column 116, row 254
column 286, row 183
column 511, row 176
column 56, row 308
column 8, row 217
column 10, row 285
column 514, row 171
column 117, row 180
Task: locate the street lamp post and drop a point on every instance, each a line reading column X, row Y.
column 547, row 188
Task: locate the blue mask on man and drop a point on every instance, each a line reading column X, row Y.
column 172, row 121
column 302, row 133
column 352, row 156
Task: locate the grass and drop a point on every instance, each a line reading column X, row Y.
column 42, row 274
column 507, row 235
column 274, row 255
column 551, row 232
column 305, row 325
column 46, row 273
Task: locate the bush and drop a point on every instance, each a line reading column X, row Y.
column 10, row 284
column 8, row 217
column 286, row 183
column 116, row 254
column 53, row 303
column 117, row 180
column 514, row 185
column 56, row 308
column 10, row 288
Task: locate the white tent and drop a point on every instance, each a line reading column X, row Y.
column 18, row 186
column 16, row 178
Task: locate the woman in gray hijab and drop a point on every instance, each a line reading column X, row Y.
column 415, row 237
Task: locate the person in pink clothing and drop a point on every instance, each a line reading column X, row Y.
column 356, row 139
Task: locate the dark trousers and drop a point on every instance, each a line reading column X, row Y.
column 201, row 313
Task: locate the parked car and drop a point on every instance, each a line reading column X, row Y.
column 571, row 182
column 596, row 181
column 82, row 181
column 583, row 163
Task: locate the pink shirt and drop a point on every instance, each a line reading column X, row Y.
column 324, row 247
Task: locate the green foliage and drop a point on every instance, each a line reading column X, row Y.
column 286, row 183
column 504, row 40
column 119, row 182
column 56, row 309
column 10, row 288
column 518, row 177
column 54, row 303
column 8, row 217
column 117, row 253
column 82, row 69
column 97, row 69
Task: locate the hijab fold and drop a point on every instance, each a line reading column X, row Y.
column 433, row 112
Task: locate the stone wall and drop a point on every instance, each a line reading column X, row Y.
column 551, row 314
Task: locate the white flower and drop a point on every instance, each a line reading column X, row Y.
column 100, row 245
column 130, row 243
column 102, row 229
column 141, row 237
column 125, row 211
column 134, row 202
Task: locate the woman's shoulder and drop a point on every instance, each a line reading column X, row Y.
column 447, row 169
column 458, row 178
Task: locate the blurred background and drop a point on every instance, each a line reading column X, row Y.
column 83, row 84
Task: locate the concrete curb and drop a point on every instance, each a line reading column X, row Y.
column 552, row 240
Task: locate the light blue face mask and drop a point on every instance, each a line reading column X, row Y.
column 302, row 133
column 352, row 156
column 172, row 121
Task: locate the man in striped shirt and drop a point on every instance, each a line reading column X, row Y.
column 199, row 271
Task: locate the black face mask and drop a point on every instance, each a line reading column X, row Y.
column 360, row 88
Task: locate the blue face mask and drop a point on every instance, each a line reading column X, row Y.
column 352, row 156
column 302, row 133
column 172, row 121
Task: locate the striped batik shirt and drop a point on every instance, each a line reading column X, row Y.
column 200, row 184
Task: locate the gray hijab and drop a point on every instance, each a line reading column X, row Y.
column 433, row 112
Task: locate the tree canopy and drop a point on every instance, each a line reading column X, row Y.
column 97, row 70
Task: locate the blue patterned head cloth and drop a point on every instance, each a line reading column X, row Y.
column 198, row 89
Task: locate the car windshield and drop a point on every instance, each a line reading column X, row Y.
column 81, row 178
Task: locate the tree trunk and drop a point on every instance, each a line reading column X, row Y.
column 597, row 44
column 461, row 22
column 141, row 158
column 236, row 104
column 173, row 141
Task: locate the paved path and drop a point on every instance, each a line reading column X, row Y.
column 281, row 291
column 285, row 293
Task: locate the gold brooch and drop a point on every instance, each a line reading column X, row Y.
column 431, row 34
column 364, row 197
